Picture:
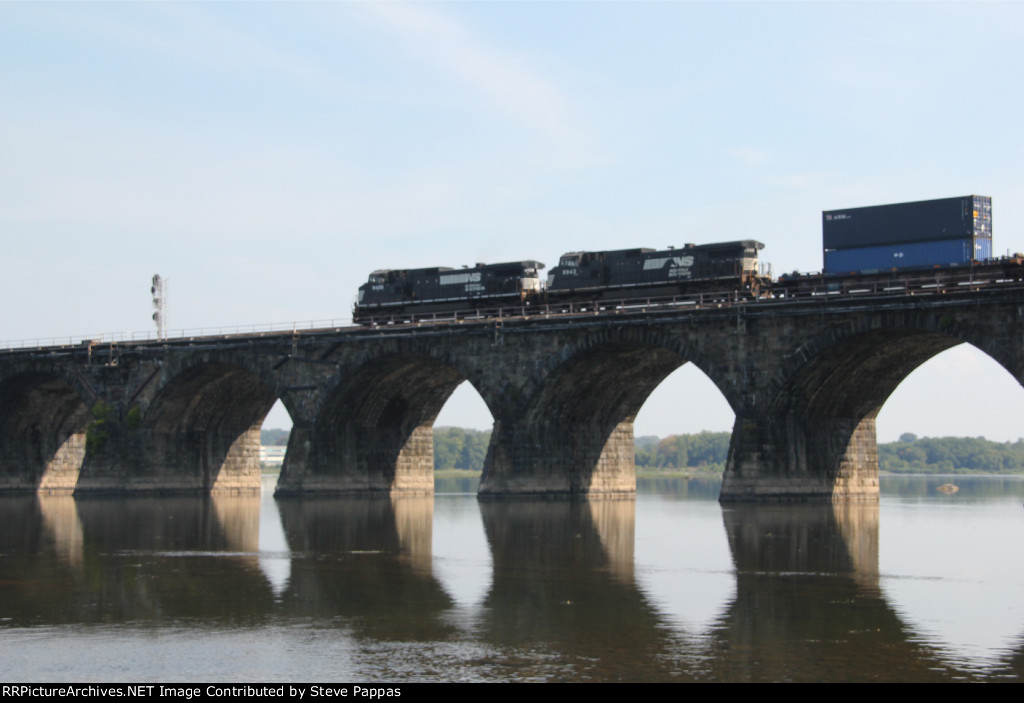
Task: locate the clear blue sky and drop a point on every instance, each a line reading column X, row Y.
column 266, row 156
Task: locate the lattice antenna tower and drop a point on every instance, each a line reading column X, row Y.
column 159, row 290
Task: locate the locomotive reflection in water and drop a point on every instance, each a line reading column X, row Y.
column 580, row 277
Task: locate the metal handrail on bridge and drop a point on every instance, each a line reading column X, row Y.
column 183, row 334
column 793, row 288
column 558, row 309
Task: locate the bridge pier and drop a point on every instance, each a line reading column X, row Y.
column 569, row 428
column 31, row 463
column 42, row 433
column 147, row 460
column 528, row 461
column 320, row 462
column 792, row 458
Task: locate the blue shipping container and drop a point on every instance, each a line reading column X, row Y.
column 949, row 252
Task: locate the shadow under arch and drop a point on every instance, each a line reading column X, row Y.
column 43, row 424
column 815, row 438
column 374, row 431
column 199, row 434
column 572, row 431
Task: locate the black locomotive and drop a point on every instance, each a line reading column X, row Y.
column 629, row 273
column 401, row 294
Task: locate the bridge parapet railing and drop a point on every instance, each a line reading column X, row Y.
column 184, row 334
column 561, row 309
column 810, row 287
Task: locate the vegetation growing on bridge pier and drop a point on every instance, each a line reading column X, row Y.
column 97, row 432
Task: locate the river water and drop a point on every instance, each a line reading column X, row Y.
column 670, row 586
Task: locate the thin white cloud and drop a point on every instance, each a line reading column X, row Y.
column 193, row 35
column 750, row 156
column 507, row 82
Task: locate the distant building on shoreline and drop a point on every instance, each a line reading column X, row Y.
column 272, row 455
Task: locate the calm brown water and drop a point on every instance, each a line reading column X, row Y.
column 669, row 587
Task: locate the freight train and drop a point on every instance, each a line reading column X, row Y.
column 399, row 294
column 865, row 246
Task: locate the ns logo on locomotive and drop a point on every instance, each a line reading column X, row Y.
column 881, row 240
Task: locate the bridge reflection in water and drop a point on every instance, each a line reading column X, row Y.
column 805, row 377
column 524, row 590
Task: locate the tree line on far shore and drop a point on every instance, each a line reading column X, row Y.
column 951, row 455
column 706, row 452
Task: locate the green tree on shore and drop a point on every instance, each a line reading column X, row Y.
column 458, row 448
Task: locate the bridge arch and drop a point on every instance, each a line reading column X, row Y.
column 680, row 347
column 873, row 355
column 44, row 419
column 815, row 435
column 571, row 429
column 374, row 428
column 197, row 432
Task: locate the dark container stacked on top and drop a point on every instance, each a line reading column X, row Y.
column 925, row 234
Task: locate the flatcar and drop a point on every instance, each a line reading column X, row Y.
column 1004, row 269
column 629, row 273
column 400, row 293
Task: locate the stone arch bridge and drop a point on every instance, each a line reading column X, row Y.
column 805, row 377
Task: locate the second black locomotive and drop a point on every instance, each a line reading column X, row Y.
column 628, row 273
